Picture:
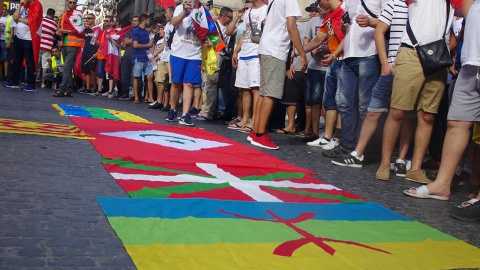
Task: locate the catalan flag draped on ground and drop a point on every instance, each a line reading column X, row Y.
column 213, row 234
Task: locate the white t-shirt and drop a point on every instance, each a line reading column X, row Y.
column 258, row 15
column 222, row 31
column 22, row 31
column 359, row 41
column 471, row 37
column 186, row 43
column 275, row 40
column 395, row 15
column 165, row 55
column 3, row 27
column 313, row 28
column 427, row 20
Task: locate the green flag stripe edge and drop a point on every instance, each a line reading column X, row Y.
column 100, row 113
column 318, row 195
column 163, row 192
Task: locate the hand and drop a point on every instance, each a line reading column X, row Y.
column 150, row 44
column 328, row 60
column 362, row 20
column 207, row 44
column 235, row 60
column 304, row 61
column 290, row 72
column 345, row 27
column 240, row 13
column 187, row 6
column 8, row 45
column 453, row 70
column 109, row 37
column 386, row 69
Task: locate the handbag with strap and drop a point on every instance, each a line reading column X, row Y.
column 434, row 55
column 256, row 33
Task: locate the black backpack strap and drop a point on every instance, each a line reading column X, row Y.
column 368, row 10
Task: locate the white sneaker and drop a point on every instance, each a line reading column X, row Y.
column 110, row 95
column 320, row 142
column 43, row 86
column 331, row 144
column 105, row 94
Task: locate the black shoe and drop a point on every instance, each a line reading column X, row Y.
column 348, row 160
column 400, row 169
column 337, row 152
column 468, row 211
column 155, row 105
column 165, row 108
column 194, row 111
column 123, row 97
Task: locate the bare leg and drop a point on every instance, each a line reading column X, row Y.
column 87, row 81
column 150, row 88
column 246, row 105
column 175, row 94
column 369, row 127
column 316, row 118
column 422, row 138
column 197, row 96
column 135, row 88
column 390, row 134
column 330, row 122
column 160, row 89
column 256, row 95
column 406, row 135
column 187, row 97
column 265, row 109
column 308, row 120
column 291, row 118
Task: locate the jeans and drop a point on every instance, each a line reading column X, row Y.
column 315, row 87
column 330, row 101
column 69, row 55
column 358, row 76
column 23, row 49
column 126, row 75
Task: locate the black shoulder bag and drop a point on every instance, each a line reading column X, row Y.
column 435, row 55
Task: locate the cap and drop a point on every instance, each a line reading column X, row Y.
column 312, row 7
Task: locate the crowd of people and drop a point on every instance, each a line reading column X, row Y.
column 351, row 66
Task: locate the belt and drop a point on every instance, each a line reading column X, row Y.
column 339, row 58
column 405, row 45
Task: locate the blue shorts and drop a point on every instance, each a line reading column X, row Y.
column 101, row 68
column 4, row 52
column 186, row 71
column 142, row 68
column 381, row 94
column 315, row 87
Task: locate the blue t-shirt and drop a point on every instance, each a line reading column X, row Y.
column 142, row 37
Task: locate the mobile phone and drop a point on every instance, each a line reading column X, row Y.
column 346, row 18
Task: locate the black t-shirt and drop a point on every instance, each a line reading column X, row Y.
column 88, row 49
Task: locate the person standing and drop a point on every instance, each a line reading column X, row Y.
column 89, row 62
column 49, row 27
column 3, row 49
column 126, row 63
column 6, row 54
column 280, row 28
column 72, row 32
column 28, row 20
column 141, row 44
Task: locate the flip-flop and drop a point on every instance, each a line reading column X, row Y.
column 283, row 131
column 246, row 129
column 234, row 126
column 423, row 193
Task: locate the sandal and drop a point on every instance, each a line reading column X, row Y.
column 58, row 94
column 68, row 95
column 246, row 129
column 136, row 101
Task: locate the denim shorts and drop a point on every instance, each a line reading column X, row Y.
column 4, row 52
column 315, row 87
column 101, row 68
column 381, row 94
column 142, row 68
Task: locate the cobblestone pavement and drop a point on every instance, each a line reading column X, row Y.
column 48, row 187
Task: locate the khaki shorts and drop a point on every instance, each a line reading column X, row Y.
column 411, row 90
column 163, row 70
column 272, row 76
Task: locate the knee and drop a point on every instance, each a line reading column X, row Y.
column 397, row 115
column 427, row 118
column 373, row 116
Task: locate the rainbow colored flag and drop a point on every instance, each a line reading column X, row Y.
column 42, row 129
column 213, row 234
column 99, row 113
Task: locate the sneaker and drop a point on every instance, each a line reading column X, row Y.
column 250, row 136
column 43, row 86
column 400, row 168
column 186, row 120
column 155, row 105
column 29, row 88
column 383, row 173
column 309, row 137
column 123, row 97
column 10, row 85
column 165, row 108
column 194, row 110
column 106, row 94
column 171, row 115
column 320, row 142
column 348, row 160
column 96, row 94
column 337, row 152
column 417, row 176
column 110, row 95
column 264, row 141
column 467, row 211
column 331, row 144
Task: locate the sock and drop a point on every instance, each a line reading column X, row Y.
column 355, row 154
column 458, row 171
column 468, row 170
column 400, row 161
column 327, row 139
column 259, row 134
column 183, row 115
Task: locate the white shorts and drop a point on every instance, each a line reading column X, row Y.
column 45, row 56
column 248, row 74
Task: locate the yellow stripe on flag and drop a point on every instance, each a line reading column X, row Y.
column 407, row 255
column 42, row 129
column 125, row 116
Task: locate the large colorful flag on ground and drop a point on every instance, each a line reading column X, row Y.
column 42, row 129
column 91, row 112
column 213, row 234
column 158, row 161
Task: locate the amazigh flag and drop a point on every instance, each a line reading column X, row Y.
column 100, row 113
column 212, row 234
column 205, row 27
column 35, row 13
column 112, row 53
column 166, row 3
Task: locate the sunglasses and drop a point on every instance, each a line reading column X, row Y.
column 106, row 21
column 72, row 2
column 89, row 18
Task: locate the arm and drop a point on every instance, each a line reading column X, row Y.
column 12, row 30
column 329, row 58
column 231, row 28
column 466, row 5
column 295, row 37
column 179, row 18
column 379, row 36
column 238, row 48
column 160, row 49
column 366, row 21
column 136, row 45
column 115, row 43
column 16, row 14
column 315, row 43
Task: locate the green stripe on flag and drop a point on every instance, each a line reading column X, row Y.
column 144, row 231
column 100, row 113
column 163, row 192
column 318, row 195
column 275, row 176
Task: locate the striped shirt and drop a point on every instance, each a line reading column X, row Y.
column 395, row 14
column 49, row 27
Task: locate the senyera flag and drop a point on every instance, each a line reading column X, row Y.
column 213, row 234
